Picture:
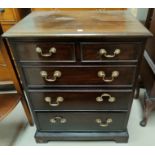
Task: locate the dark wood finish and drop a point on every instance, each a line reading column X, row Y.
column 148, row 107
column 8, row 103
column 81, row 122
column 147, row 73
column 149, row 17
column 150, row 43
column 81, row 100
column 72, row 76
column 128, row 51
column 26, row 51
column 147, row 63
column 77, row 24
column 149, row 83
column 79, row 84
column 119, row 137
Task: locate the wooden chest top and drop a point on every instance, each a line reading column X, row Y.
column 78, row 24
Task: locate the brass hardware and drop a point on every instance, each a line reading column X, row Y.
column 58, row 101
column 51, row 51
column 114, row 75
column 103, row 52
column 56, row 74
column 104, row 124
column 57, row 119
column 110, row 99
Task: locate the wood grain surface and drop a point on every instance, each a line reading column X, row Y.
column 78, row 23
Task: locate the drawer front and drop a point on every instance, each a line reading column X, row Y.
column 7, row 15
column 1, row 59
column 82, row 121
column 44, row 51
column 81, row 100
column 79, row 76
column 4, row 73
column 100, row 52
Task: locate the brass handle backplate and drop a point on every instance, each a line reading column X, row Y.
column 110, row 98
column 105, row 123
column 114, row 75
column 103, row 52
column 51, row 51
column 58, row 119
column 56, row 74
column 59, row 99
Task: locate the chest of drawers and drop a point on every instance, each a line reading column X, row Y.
column 79, row 71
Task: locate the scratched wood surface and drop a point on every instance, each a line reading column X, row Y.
column 78, row 23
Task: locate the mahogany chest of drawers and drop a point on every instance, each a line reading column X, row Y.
column 79, row 71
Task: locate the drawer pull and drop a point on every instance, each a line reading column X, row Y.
column 51, row 51
column 114, row 75
column 110, row 98
column 56, row 74
column 104, row 124
column 58, row 101
column 58, row 119
column 103, row 52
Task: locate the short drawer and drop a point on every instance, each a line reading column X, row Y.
column 44, row 51
column 92, row 100
column 101, row 52
column 82, row 121
column 80, row 76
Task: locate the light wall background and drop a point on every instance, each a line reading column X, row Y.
column 139, row 13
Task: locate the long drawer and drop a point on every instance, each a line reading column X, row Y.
column 108, row 76
column 74, row 100
column 82, row 121
column 113, row 51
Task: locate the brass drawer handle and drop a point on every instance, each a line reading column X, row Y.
column 58, row 119
column 51, row 51
column 56, row 74
column 110, row 98
column 114, row 75
column 57, row 102
column 104, row 124
column 103, row 52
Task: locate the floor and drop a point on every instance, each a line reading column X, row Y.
column 14, row 130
